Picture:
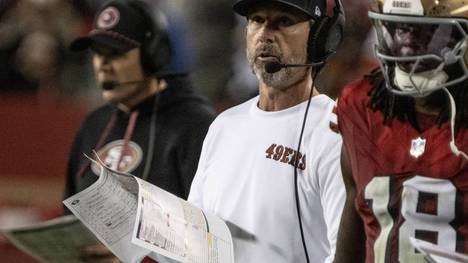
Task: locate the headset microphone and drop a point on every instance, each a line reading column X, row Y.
column 110, row 85
column 273, row 67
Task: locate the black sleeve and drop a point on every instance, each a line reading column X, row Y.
column 84, row 141
column 73, row 165
column 190, row 148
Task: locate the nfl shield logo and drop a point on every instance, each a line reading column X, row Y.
column 418, row 146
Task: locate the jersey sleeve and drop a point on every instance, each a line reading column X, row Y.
column 352, row 106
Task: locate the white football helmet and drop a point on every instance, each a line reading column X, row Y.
column 421, row 44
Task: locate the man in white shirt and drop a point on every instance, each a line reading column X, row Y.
column 246, row 169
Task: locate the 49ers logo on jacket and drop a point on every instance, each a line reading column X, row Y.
column 120, row 157
column 287, row 155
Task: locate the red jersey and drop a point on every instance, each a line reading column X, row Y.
column 409, row 183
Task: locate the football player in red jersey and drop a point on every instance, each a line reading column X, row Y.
column 405, row 133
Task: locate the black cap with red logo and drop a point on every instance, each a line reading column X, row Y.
column 118, row 25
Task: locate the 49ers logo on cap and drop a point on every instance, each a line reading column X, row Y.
column 108, row 18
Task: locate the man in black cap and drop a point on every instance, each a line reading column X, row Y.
column 154, row 122
column 250, row 157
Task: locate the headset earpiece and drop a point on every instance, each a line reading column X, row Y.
column 156, row 50
column 326, row 35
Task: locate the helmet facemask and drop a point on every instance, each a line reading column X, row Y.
column 415, row 53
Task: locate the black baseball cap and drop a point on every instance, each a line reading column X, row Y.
column 118, row 25
column 313, row 8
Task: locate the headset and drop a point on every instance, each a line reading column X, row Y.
column 156, row 49
column 326, row 35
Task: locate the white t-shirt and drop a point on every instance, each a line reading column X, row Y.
column 246, row 177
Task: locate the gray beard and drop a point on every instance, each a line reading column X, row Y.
column 278, row 79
